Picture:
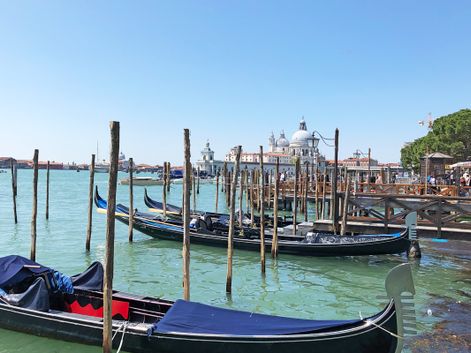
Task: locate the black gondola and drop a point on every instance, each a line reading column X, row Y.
column 175, row 212
column 312, row 244
column 145, row 324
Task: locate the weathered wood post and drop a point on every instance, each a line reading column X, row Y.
column 217, row 191
column 335, row 209
column 90, row 203
column 228, row 189
column 316, row 196
column 295, row 193
column 14, row 187
column 369, row 169
column 186, row 215
column 224, row 177
column 246, row 182
column 230, row 236
column 241, row 197
column 193, row 190
column 252, row 213
column 35, row 206
column 47, row 190
column 274, row 242
column 131, row 201
column 262, row 213
column 164, row 190
column 198, row 180
column 169, row 171
column 324, row 187
column 306, row 186
column 109, row 249
column 343, row 227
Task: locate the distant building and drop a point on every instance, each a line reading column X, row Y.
column 303, row 145
column 5, row 162
column 207, row 164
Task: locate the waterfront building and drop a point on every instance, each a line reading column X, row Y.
column 207, row 164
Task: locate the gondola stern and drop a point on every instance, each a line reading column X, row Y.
column 400, row 288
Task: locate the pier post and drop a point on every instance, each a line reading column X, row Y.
column 164, row 190
column 224, row 177
column 230, row 236
column 241, row 197
column 217, row 191
column 324, row 187
column 346, row 198
column 246, row 182
column 110, row 231
column 306, row 186
column 168, row 176
column 47, row 190
column 35, row 206
column 14, row 187
column 274, row 242
column 186, row 215
column 193, row 190
column 262, row 214
column 90, row 203
column 198, row 180
column 252, row 213
column 131, row 201
column 295, row 193
column 334, row 200
column 316, row 196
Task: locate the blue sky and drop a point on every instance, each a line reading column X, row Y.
column 230, row 71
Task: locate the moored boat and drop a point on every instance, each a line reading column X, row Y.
column 142, row 181
column 209, row 230
column 39, row 300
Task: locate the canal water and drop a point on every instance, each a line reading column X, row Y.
column 303, row 287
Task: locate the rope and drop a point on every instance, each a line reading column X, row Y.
column 123, row 326
column 368, row 321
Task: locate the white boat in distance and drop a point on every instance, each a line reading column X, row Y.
column 142, row 181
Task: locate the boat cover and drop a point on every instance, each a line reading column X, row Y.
column 14, row 269
column 90, row 279
column 189, row 317
column 36, row 297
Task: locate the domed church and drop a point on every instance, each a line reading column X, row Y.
column 303, row 144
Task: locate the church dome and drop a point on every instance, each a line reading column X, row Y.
column 282, row 141
column 302, row 136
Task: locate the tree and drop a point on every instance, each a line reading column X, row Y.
column 450, row 134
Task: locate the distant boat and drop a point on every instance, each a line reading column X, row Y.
column 142, row 181
column 102, row 168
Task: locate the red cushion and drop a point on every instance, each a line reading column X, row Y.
column 117, row 307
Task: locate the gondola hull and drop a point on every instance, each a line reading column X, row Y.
column 388, row 245
column 83, row 329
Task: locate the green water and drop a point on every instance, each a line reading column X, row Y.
column 316, row 288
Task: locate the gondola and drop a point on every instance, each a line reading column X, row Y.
column 71, row 308
column 173, row 211
column 202, row 231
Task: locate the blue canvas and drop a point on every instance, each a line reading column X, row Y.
column 190, row 317
column 13, row 270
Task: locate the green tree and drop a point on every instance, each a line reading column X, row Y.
column 450, row 134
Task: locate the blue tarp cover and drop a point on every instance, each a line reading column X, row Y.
column 190, row 317
column 13, row 270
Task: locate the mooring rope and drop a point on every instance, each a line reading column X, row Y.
column 368, row 321
column 123, row 326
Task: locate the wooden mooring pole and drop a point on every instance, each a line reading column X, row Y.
column 186, row 215
column 306, row 186
column 164, row 189
column 90, row 203
column 262, row 213
column 217, row 191
column 47, row 190
column 252, row 213
column 198, row 180
column 110, row 231
column 230, row 236
column 274, row 243
column 14, row 187
column 295, row 193
column 131, row 201
column 343, row 227
column 335, row 209
column 35, row 206
column 169, row 171
column 241, row 197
